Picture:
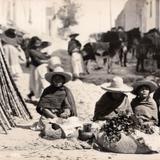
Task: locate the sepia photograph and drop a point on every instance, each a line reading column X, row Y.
column 79, row 79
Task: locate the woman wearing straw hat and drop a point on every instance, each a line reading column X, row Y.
column 114, row 101
column 143, row 104
column 57, row 100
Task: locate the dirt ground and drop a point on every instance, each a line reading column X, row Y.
column 22, row 143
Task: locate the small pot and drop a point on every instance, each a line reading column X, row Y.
column 84, row 136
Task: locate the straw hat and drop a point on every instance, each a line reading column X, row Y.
column 53, row 62
column 74, row 35
column 152, row 85
column 117, row 85
column 9, row 36
column 58, row 71
column 20, row 33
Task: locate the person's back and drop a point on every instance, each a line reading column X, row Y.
column 72, row 45
column 37, row 57
column 12, row 58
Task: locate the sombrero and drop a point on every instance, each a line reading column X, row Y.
column 74, row 35
column 152, row 85
column 9, row 36
column 58, row 71
column 117, row 85
column 53, row 62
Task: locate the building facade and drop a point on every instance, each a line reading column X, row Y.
column 144, row 14
column 33, row 16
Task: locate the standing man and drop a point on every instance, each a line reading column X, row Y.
column 123, row 48
column 12, row 54
column 74, row 47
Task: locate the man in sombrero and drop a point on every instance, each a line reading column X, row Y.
column 57, row 100
column 73, row 43
column 74, row 47
column 114, row 101
column 12, row 54
column 143, row 104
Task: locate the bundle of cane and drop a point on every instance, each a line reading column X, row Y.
column 13, row 88
column 11, row 101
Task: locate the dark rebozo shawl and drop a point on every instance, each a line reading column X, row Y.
column 71, row 101
column 69, row 96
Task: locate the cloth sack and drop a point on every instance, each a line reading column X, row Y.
column 58, row 127
column 52, row 131
column 127, row 144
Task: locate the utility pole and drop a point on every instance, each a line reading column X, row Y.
column 14, row 12
column 110, row 12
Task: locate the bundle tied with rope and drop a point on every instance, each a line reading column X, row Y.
column 11, row 102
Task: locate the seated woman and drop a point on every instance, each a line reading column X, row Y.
column 57, row 100
column 143, row 105
column 114, row 101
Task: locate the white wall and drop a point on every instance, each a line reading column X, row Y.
column 151, row 14
column 94, row 15
column 140, row 13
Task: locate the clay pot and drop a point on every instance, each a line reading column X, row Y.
column 84, row 136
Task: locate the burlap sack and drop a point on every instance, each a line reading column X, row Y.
column 52, row 131
column 127, row 144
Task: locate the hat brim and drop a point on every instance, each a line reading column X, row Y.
column 12, row 41
column 124, row 88
column 74, row 35
column 152, row 85
column 49, row 75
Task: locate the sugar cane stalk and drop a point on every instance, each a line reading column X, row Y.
column 13, row 84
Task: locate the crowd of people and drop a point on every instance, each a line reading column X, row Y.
column 48, row 78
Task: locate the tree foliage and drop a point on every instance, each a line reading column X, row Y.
column 67, row 13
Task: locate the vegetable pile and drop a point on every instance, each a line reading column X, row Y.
column 126, row 124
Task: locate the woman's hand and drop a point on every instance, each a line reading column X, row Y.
column 65, row 114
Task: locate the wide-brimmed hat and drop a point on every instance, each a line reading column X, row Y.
column 152, row 85
column 74, row 35
column 53, row 62
column 45, row 44
column 20, row 33
column 58, row 71
column 9, row 36
column 117, row 85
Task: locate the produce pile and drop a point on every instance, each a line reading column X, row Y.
column 126, row 124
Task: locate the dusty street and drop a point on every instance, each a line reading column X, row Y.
column 23, row 143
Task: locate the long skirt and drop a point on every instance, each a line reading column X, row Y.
column 32, row 80
column 77, row 64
